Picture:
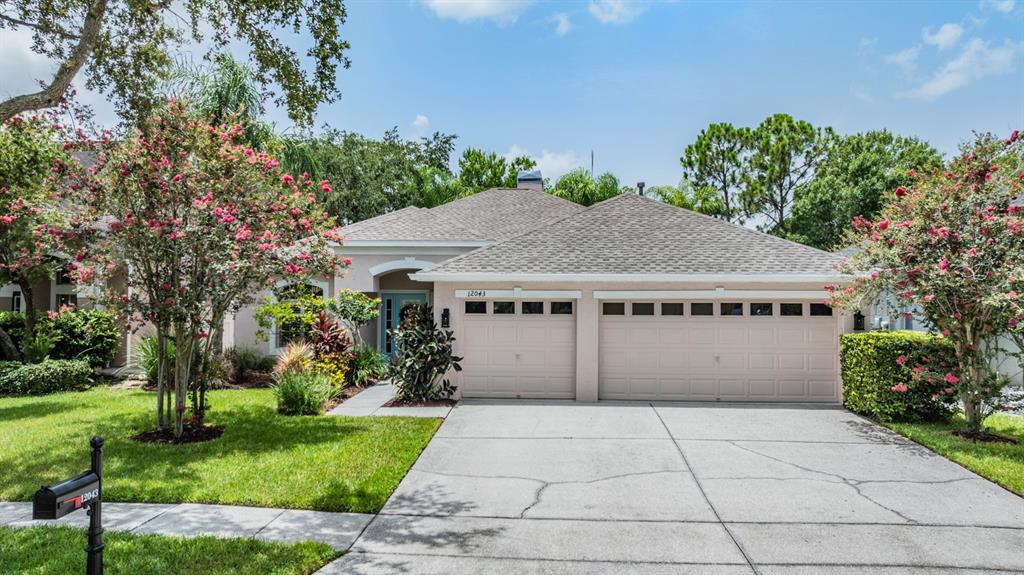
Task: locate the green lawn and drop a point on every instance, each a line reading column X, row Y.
column 263, row 459
column 58, row 551
column 1002, row 463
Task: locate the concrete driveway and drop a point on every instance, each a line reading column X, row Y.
column 561, row 488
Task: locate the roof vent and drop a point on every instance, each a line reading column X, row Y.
column 530, row 179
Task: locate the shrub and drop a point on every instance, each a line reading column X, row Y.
column 13, row 322
column 38, row 348
column 302, row 393
column 297, row 357
column 878, row 379
column 88, row 334
column 368, row 366
column 331, row 348
column 146, row 357
column 245, row 359
column 425, row 356
column 49, row 376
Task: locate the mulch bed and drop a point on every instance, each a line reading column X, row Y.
column 192, row 434
column 396, row 402
column 985, row 437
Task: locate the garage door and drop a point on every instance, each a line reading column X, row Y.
column 519, row 349
column 709, row 351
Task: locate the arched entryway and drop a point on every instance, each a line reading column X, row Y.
column 397, row 293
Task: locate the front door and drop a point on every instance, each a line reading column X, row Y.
column 392, row 310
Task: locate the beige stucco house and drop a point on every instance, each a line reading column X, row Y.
column 627, row 299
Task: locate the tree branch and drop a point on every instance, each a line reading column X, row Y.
column 40, row 27
column 52, row 93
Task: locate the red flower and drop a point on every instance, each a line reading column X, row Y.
column 901, row 191
column 883, row 225
column 901, row 359
column 899, row 388
column 950, row 378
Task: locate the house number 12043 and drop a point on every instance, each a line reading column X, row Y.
column 476, row 293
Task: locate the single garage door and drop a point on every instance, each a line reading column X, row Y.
column 519, row 349
column 709, row 351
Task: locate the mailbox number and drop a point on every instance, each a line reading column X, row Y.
column 476, row 293
column 82, row 499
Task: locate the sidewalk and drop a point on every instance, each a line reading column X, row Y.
column 339, row 530
column 371, row 401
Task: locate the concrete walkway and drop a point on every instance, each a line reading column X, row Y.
column 371, row 401
column 640, row 489
column 339, row 530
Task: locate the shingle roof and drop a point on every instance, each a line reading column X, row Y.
column 630, row 234
column 496, row 214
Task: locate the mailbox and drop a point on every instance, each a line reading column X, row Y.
column 70, row 495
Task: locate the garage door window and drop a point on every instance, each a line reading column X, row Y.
column 820, row 309
column 613, row 308
column 791, row 309
column 703, row 308
column 732, row 309
column 476, row 307
column 643, row 308
column 760, row 309
column 533, row 308
column 504, row 307
column 672, row 309
column 561, row 308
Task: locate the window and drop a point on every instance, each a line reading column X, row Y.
column 820, row 309
column 858, row 322
column 476, row 307
column 16, row 301
column 760, row 309
column 67, row 299
column 504, row 307
column 732, row 309
column 561, row 308
column 908, row 321
column 643, row 308
column 703, row 308
column 789, row 309
column 533, row 307
column 63, row 277
column 613, row 308
column 294, row 294
column 672, row 309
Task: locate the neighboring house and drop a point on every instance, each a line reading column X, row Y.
column 627, row 299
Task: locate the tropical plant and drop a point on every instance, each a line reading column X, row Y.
column 199, row 223
column 332, row 348
column 581, row 187
column 951, row 243
column 37, row 349
column 146, row 357
column 296, row 357
column 302, row 393
column 354, row 309
column 704, row 200
column 368, row 366
column 425, row 357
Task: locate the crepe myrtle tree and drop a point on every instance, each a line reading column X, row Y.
column 952, row 243
column 194, row 225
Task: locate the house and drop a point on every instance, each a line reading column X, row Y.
column 627, row 299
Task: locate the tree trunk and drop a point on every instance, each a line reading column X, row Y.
column 30, row 311
column 7, row 348
column 161, row 377
column 971, row 374
column 182, row 363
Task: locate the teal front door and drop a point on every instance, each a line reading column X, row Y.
column 392, row 306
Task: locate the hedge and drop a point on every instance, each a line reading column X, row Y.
column 87, row 334
column 870, row 371
column 50, row 376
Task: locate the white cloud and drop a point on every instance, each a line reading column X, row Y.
column 904, row 59
column 616, row 11
column 1003, row 6
column 977, row 60
column 562, row 24
column 552, row 165
column 861, row 93
column 501, row 11
column 420, row 122
column 945, row 38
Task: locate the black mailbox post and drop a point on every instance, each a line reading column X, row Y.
column 83, row 490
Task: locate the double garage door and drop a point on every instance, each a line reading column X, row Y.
column 654, row 350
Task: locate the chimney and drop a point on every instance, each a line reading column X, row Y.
column 640, row 188
column 530, row 180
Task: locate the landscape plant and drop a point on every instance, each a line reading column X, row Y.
column 47, row 376
column 302, row 392
column 425, row 356
column 332, row 349
column 368, row 366
column 951, row 243
column 194, row 224
column 354, row 309
column 296, row 357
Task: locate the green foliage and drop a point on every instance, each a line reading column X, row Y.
column 878, row 378
column 147, row 357
column 715, row 161
column 302, row 393
column 436, row 186
column 38, row 348
column 332, row 349
column 13, row 322
column 124, row 47
column 244, row 360
column 89, row 334
column 479, row 170
column 705, row 200
column 49, row 376
column 581, row 187
column 854, row 180
column 368, row 366
column 296, row 357
column 354, row 309
column 292, row 309
column 368, row 177
column 425, row 357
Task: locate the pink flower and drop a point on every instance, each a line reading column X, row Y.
column 950, row 378
column 901, row 359
column 8, row 220
column 901, row 191
column 287, row 180
column 203, row 335
column 265, row 247
column 177, row 177
column 929, row 297
column 243, row 234
column 347, row 261
column 883, row 225
column 899, row 388
column 293, row 269
column 944, row 264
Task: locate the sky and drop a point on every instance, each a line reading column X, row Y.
column 636, row 82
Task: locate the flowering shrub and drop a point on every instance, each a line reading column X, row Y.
column 332, row 349
column 952, row 243
column 883, row 375
column 88, row 334
column 196, row 224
